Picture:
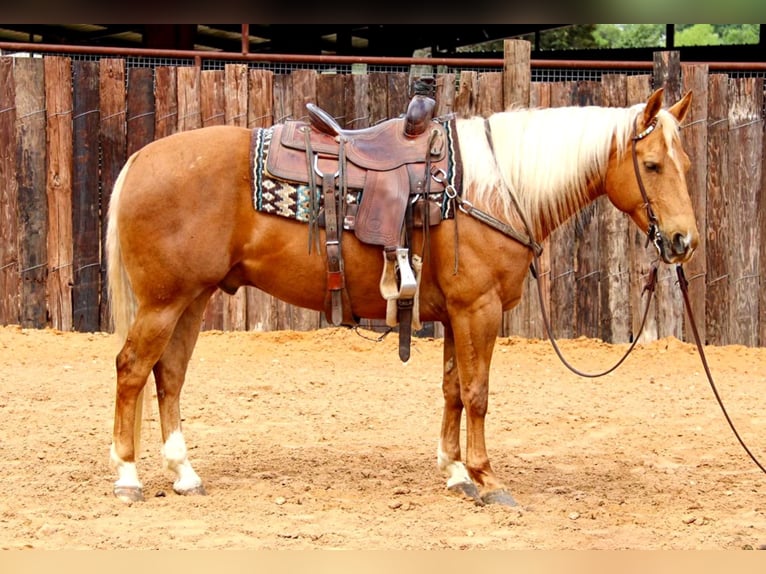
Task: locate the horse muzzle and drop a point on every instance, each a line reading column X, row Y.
column 676, row 247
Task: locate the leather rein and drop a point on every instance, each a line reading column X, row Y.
column 653, row 236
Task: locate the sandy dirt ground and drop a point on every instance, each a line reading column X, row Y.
column 325, row 440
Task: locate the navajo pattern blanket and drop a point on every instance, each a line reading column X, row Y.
column 292, row 200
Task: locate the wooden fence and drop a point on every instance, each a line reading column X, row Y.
column 67, row 126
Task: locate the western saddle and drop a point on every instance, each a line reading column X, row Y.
column 379, row 182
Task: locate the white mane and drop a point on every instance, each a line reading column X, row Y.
column 547, row 157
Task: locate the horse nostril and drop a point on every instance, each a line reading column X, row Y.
column 680, row 243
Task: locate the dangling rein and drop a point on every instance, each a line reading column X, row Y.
column 651, row 283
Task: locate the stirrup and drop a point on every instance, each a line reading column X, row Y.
column 394, row 261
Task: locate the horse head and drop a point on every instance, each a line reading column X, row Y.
column 648, row 179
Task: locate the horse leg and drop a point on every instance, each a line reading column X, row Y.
column 169, row 375
column 148, row 335
column 474, row 333
column 448, row 456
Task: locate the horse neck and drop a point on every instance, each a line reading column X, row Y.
column 553, row 160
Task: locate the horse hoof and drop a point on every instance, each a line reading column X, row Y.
column 467, row 489
column 499, row 497
column 129, row 494
column 195, row 491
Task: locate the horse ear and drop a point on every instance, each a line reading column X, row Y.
column 681, row 107
column 653, row 106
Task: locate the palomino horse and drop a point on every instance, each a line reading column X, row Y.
column 182, row 224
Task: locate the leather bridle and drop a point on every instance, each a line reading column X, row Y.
column 653, row 231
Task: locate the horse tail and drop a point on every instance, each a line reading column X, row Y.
column 122, row 299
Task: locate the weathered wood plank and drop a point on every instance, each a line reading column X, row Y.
column 188, row 93
column 304, row 88
column 331, row 95
column 667, row 74
column 212, row 98
column 746, row 139
column 85, row 198
column 58, row 105
column 166, row 101
column 357, row 102
column 141, row 110
column 10, row 280
column 398, row 94
column 517, row 72
column 719, row 231
column 615, row 232
column 465, row 98
column 378, row 97
column 113, row 137
column 282, row 98
column 259, row 108
column 694, row 138
column 490, row 95
column 762, row 254
column 32, row 201
column 445, row 94
column 638, row 90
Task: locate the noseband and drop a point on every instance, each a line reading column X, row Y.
column 653, row 231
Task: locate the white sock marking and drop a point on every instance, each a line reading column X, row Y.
column 455, row 470
column 175, row 454
column 127, row 475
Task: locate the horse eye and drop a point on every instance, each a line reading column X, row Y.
column 651, row 166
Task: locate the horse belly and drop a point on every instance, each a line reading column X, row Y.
column 278, row 262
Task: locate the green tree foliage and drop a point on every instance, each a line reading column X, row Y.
column 629, row 35
column 584, row 36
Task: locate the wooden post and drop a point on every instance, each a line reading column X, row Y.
column 10, row 281
column 357, row 102
column 694, row 137
column 141, row 118
column 113, row 135
column 445, row 94
column 398, row 94
column 746, row 139
column 615, row 232
column 465, row 98
column 189, row 117
column 28, row 75
column 86, row 230
column 719, row 233
column 331, row 96
column 378, row 97
column 165, row 101
column 58, row 98
column 517, row 72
